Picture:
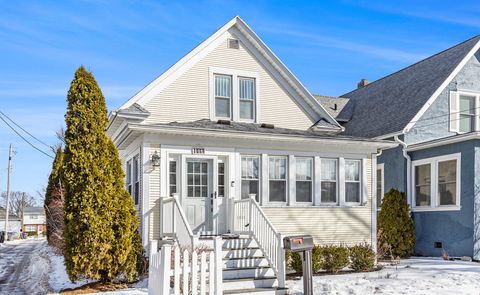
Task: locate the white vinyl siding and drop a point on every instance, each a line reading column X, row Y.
column 187, row 98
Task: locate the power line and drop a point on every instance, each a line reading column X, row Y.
column 42, row 142
column 26, row 140
column 444, row 115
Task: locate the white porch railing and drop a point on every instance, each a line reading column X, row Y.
column 174, row 223
column 248, row 217
column 186, row 272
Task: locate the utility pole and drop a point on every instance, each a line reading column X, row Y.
column 8, row 191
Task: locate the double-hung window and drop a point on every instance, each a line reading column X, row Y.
column 247, row 98
column 234, row 95
column 250, row 176
column 223, row 96
column 304, row 171
column 352, row 181
column 437, row 183
column 136, row 180
column 277, row 174
column 328, row 180
column 467, row 113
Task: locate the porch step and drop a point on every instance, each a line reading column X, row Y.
column 249, row 283
column 248, row 272
column 245, row 262
column 242, row 253
column 259, row 291
column 239, row 243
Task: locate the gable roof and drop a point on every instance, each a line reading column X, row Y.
column 393, row 103
column 333, row 105
column 249, row 38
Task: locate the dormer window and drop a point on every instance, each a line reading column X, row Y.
column 233, row 95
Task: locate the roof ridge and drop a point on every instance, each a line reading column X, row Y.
column 414, row 64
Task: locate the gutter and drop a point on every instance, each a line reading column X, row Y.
column 409, row 168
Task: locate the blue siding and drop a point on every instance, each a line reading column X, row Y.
column 453, row 228
column 395, row 169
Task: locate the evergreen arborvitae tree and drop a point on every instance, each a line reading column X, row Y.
column 101, row 226
column 395, row 224
column 53, row 186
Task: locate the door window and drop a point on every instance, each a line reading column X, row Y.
column 197, row 179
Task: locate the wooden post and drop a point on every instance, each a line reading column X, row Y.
column 7, row 205
column 281, row 262
column 250, row 211
column 162, row 213
column 217, row 250
column 165, row 266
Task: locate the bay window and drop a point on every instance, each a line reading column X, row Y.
column 352, row 181
column 304, row 171
column 437, row 183
column 277, row 174
column 328, row 180
column 250, row 176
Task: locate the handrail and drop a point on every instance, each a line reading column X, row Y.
column 249, row 214
column 174, row 223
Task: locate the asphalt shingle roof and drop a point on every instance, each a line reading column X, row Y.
column 387, row 105
column 333, row 105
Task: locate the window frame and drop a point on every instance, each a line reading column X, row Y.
column 136, row 171
column 170, row 175
column 230, row 99
column 286, row 180
column 236, row 75
column 381, row 168
column 472, row 114
column 259, row 176
column 435, row 196
column 312, row 180
column 359, row 181
column 455, row 112
column 337, row 182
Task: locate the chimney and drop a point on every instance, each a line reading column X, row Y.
column 363, row 83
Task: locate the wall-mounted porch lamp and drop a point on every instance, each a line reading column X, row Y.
column 155, row 158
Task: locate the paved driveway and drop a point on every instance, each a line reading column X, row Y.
column 23, row 267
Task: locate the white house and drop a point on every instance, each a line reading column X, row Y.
column 228, row 122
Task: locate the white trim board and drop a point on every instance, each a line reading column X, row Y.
column 441, row 88
column 276, row 67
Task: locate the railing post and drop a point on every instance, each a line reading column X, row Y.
column 165, row 266
column 153, row 248
column 250, row 211
column 280, row 261
column 217, row 251
column 174, row 218
column 162, row 226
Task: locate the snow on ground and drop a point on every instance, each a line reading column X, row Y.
column 411, row 276
column 58, row 278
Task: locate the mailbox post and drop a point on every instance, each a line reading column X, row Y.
column 303, row 244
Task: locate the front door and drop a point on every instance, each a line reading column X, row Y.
column 198, row 203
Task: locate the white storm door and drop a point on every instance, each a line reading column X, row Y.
column 196, row 199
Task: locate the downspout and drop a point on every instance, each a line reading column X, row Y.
column 409, row 165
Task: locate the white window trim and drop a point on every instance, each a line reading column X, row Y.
column 381, row 167
column 235, row 100
column 456, row 116
column 287, row 181
column 435, row 201
column 312, row 183
column 177, row 174
column 360, row 183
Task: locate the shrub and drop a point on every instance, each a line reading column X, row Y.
column 334, row 258
column 362, row 257
column 294, row 260
column 396, row 225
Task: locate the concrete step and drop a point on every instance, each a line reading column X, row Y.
column 239, row 243
column 248, row 272
column 245, row 262
column 259, row 291
column 249, row 283
column 242, row 253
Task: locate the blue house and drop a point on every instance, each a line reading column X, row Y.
column 432, row 110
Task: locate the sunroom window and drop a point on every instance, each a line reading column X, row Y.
column 447, row 182
column 223, row 96
column 250, row 176
column 329, row 180
column 277, row 172
column 423, row 185
column 304, row 167
column 352, row 181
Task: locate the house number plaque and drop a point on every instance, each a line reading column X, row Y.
column 198, row 150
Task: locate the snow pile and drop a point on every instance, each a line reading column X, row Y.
column 35, row 274
column 58, row 277
column 412, row 276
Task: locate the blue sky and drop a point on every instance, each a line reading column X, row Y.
column 329, row 45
